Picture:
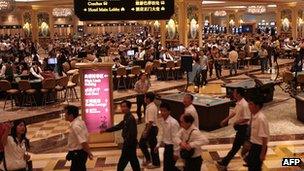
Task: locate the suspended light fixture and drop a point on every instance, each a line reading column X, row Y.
column 259, row 9
column 62, row 12
column 6, row 6
column 220, row 13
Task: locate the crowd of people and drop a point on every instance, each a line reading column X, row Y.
column 19, row 56
column 181, row 138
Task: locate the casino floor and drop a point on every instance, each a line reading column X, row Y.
column 286, row 131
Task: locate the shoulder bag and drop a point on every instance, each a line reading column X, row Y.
column 187, row 154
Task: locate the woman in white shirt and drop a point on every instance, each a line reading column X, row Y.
column 190, row 137
column 15, row 147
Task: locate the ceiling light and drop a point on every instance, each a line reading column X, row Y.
column 6, row 5
column 256, row 9
column 220, row 13
column 271, row 6
column 62, row 12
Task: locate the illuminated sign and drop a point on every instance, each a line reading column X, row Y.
column 97, row 99
column 124, row 9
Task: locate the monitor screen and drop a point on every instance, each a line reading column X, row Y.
column 130, row 53
column 52, row 61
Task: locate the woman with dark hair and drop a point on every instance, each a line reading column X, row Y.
column 16, row 146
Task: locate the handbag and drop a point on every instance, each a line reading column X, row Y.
column 247, row 144
column 187, row 154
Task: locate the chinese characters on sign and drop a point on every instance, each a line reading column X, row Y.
column 124, row 9
column 97, row 102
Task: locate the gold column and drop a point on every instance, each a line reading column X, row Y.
column 34, row 22
column 294, row 22
column 279, row 19
column 182, row 22
column 200, row 24
column 163, row 33
column 51, row 24
column 75, row 24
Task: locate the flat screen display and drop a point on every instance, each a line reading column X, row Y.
column 130, row 53
column 52, row 61
column 123, row 9
column 97, row 99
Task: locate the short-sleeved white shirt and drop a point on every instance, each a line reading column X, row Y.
column 14, row 155
column 78, row 134
column 259, row 128
column 151, row 113
column 192, row 111
column 242, row 110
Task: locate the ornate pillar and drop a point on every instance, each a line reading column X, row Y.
column 182, row 22
column 163, row 33
column 294, row 23
column 51, row 24
column 75, row 24
column 279, row 19
column 200, row 24
column 34, row 22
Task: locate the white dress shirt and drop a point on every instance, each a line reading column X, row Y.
column 151, row 113
column 14, row 155
column 242, row 111
column 192, row 111
column 259, row 128
column 197, row 139
column 3, row 69
column 78, row 134
column 170, row 128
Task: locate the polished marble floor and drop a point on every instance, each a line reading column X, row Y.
column 107, row 160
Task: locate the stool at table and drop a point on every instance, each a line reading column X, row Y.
column 10, row 93
column 71, row 87
column 61, row 86
column 121, row 75
column 178, row 69
column 48, row 88
column 28, row 94
column 170, row 70
column 159, row 70
column 135, row 71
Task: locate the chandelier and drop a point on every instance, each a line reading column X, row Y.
column 256, row 9
column 6, row 5
column 220, row 13
column 62, row 12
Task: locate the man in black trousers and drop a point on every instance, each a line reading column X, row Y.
column 150, row 133
column 243, row 115
column 129, row 134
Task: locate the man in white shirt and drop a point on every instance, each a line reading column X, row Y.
column 242, row 114
column 190, row 137
column 78, row 146
column 233, row 60
column 204, row 69
column 170, row 128
column 150, row 133
column 259, row 136
column 190, row 109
